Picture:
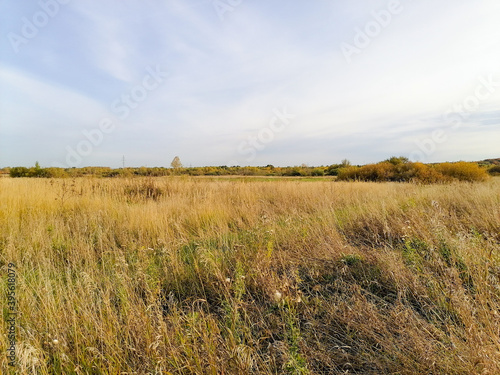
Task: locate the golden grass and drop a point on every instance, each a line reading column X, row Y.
column 211, row 276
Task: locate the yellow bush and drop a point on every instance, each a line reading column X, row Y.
column 371, row 172
column 462, row 171
column 424, row 174
column 414, row 172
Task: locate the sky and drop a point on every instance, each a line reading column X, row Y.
column 247, row 82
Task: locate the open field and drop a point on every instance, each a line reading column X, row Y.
column 187, row 275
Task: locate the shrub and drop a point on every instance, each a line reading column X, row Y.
column 194, row 171
column 317, row 172
column 249, row 171
column 397, row 160
column 424, row 174
column 295, row 171
column 19, row 172
column 53, row 172
column 333, row 170
column 495, row 170
column 399, row 170
column 371, row 172
column 349, row 173
column 462, row 171
column 146, row 189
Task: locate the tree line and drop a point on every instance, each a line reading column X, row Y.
column 393, row 169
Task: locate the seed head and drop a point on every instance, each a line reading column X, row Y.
column 277, row 295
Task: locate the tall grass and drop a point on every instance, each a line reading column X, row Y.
column 197, row 276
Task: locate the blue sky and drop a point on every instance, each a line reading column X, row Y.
column 241, row 82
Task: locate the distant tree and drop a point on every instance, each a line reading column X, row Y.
column 345, row 163
column 176, row 163
column 37, row 171
column 397, row 160
column 333, row 170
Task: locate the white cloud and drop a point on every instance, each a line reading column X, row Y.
column 107, row 39
column 42, row 102
column 227, row 77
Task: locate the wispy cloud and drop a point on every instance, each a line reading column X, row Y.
column 225, row 78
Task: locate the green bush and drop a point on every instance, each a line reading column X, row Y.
column 317, row 172
column 295, row 171
column 333, row 170
column 19, row 172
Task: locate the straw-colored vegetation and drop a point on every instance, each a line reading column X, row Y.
column 396, row 169
column 232, row 276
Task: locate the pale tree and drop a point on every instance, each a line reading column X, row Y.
column 176, row 163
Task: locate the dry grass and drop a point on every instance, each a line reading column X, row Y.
column 199, row 276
